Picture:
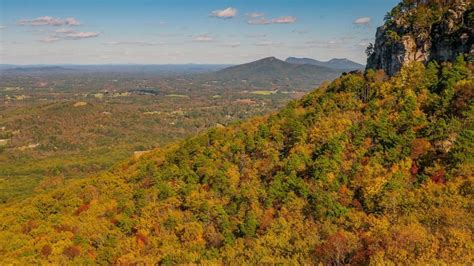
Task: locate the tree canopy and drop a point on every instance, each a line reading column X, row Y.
column 363, row 170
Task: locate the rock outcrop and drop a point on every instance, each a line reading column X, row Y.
column 401, row 40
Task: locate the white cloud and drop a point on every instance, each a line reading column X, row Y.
column 258, row 21
column 64, row 30
column 2, row 27
column 72, row 22
column 229, row 12
column 255, row 15
column 284, row 20
column 50, row 39
column 261, row 20
column 363, row 21
column 81, row 35
column 203, row 38
column 49, row 21
column 67, row 34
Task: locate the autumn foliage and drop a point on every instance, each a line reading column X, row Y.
column 365, row 170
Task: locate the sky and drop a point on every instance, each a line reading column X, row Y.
column 185, row 31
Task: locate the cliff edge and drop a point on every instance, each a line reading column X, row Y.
column 423, row 30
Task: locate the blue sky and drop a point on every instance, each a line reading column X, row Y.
column 185, row 31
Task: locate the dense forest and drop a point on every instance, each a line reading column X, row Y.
column 76, row 121
column 366, row 169
column 369, row 169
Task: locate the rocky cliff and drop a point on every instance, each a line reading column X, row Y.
column 423, row 30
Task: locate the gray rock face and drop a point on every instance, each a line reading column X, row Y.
column 443, row 41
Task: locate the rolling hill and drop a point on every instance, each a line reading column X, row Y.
column 161, row 70
column 271, row 72
column 37, row 69
column 335, row 63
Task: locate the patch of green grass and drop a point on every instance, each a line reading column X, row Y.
column 178, row 95
column 263, row 92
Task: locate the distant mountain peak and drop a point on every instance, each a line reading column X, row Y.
column 270, row 58
column 271, row 71
column 335, row 63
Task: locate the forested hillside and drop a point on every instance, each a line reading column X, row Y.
column 362, row 170
column 369, row 169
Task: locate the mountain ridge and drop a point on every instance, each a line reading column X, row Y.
column 274, row 72
column 335, row 63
